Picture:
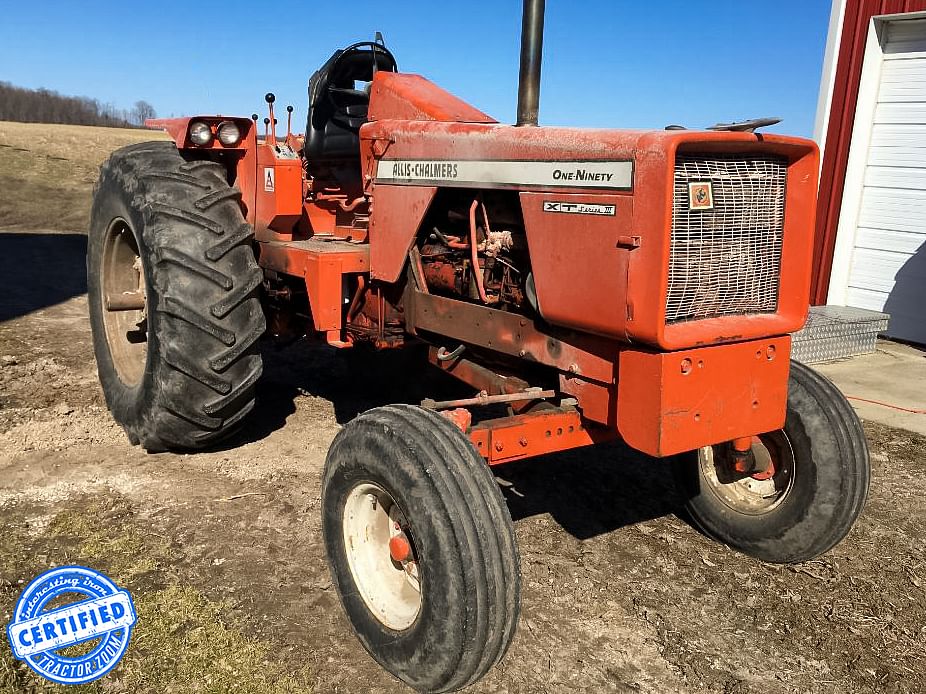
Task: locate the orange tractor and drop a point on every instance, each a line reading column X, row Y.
column 590, row 285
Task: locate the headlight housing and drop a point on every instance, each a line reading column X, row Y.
column 229, row 134
column 200, row 133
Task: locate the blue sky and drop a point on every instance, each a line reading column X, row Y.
column 606, row 63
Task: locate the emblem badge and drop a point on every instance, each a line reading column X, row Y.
column 700, row 196
column 44, row 627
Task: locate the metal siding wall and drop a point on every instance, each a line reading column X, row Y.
column 888, row 268
column 839, row 132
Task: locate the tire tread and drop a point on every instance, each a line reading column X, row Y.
column 822, row 416
column 465, row 493
column 204, row 282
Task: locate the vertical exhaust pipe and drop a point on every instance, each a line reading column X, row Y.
column 531, row 54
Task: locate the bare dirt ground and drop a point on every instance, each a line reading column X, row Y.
column 223, row 556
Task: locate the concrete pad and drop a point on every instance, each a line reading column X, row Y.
column 895, row 375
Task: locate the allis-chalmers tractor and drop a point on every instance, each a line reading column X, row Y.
column 590, row 285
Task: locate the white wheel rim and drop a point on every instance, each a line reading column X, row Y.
column 391, row 589
column 744, row 493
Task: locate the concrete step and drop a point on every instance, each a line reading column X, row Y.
column 834, row 332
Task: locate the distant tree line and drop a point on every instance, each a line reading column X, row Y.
column 46, row 106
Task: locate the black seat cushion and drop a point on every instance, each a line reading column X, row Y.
column 336, row 108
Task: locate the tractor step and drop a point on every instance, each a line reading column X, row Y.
column 323, row 262
column 319, row 245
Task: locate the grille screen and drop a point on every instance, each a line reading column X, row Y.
column 725, row 254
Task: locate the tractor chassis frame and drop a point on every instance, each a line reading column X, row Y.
column 534, row 426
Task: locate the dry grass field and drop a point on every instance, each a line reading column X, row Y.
column 47, row 172
column 222, row 552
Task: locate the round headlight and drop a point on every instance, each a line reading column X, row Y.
column 229, row 135
column 200, row 133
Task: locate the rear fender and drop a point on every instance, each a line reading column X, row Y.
column 241, row 162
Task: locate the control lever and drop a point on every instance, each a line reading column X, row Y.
column 272, row 134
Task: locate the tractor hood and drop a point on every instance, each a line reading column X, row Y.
column 613, row 219
column 578, row 158
column 420, row 134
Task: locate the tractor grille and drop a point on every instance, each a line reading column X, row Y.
column 725, row 258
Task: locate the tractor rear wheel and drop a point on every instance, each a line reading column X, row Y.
column 421, row 547
column 811, row 487
column 172, row 285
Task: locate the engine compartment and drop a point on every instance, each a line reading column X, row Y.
column 473, row 247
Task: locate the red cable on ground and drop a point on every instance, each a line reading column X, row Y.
column 886, row 404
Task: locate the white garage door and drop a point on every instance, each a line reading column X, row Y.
column 888, row 268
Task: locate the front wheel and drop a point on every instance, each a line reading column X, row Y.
column 421, row 547
column 811, row 489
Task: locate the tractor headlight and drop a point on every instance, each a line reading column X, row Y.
column 200, row 133
column 229, row 134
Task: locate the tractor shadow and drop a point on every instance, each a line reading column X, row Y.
column 38, row 270
column 591, row 491
column 352, row 380
column 588, row 491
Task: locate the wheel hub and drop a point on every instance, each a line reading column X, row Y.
column 399, row 549
column 756, row 487
column 124, row 300
column 381, row 556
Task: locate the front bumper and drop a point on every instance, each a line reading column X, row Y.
column 671, row 402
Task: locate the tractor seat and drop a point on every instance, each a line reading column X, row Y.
column 337, row 108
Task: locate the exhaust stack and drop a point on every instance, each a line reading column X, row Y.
column 531, row 54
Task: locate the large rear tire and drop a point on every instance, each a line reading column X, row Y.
column 172, row 286
column 421, row 547
column 811, row 493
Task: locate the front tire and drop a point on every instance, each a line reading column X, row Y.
column 408, row 472
column 811, row 495
column 172, row 286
